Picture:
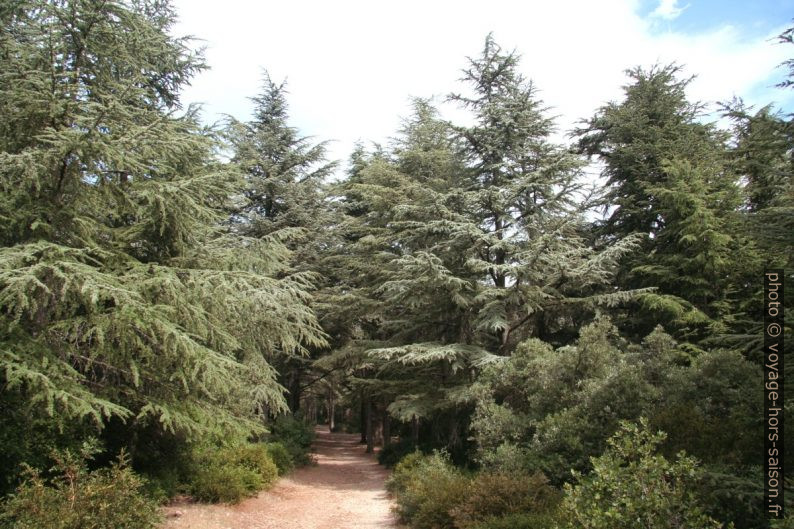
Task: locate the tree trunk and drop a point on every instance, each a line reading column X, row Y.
column 415, row 431
column 369, row 431
column 386, row 429
column 295, row 391
column 363, row 418
column 331, row 410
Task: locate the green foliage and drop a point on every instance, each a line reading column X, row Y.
column 426, row 490
column 404, row 471
column 296, row 435
column 76, row 498
column 785, row 523
column 123, row 296
column 550, row 411
column 519, row 521
column 281, row 457
column 728, row 493
column 221, row 482
column 667, row 179
column 232, row 473
column 255, row 456
column 462, row 242
column 29, row 437
column 391, row 455
column 632, row 486
column 712, row 409
column 284, row 199
column 497, row 495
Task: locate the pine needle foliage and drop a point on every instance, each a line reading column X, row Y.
column 121, row 295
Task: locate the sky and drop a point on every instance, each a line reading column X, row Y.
column 352, row 67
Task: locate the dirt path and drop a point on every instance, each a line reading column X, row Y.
column 345, row 490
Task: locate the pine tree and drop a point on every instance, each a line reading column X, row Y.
column 528, row 203
column 667, row 180
column 465, row 240
column 121, row 294
column 283, row 171
column 284, row 200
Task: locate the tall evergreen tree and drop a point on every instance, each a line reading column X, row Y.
column 668, row 181
column 121, row 297
column 284, row 200
column 475, row 240
column 528, row 204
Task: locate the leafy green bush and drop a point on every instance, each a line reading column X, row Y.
column 223, row 482
column 390, row 455
column 256, row 457
column 108, row 498
column 427, row 489
column 491, row 495
column 296, row 436
column 631, row 486
column 728, row 495
column 30, row 436
column 546, row 520
column 164, row 484
column 232, row 473
column 281, row 457
column 785, row 523
column 404, row 472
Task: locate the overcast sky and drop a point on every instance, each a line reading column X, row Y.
column 352, row 66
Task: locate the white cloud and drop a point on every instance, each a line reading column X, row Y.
column 668, row 10
column 352, row 66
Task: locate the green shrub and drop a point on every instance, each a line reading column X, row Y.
column 296, row 436
column 392, row 454
column 785, row 523
column 164, row 484
column 404, row 471
column 545, row 520
column 427, row 489
column 30, row 436
column 232, row 473
column 632, row 486
column 728, row 493
column 256, row 457
column 228, row 483
column 491, row 495
column 108, row 498
column 281, row 457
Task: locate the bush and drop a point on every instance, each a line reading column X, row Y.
column 228, row 483
column 29, row 435
column 491, row 495
column 631, row 483
column 256, row 457
column 233, row 473
column 281, row 457
column 108, row 498
column 427, row 489
column 164, row 484
column 404, row 472
column 295, row 435
column 519, row 521
column 392, row 454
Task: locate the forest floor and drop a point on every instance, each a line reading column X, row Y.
column 344, row 490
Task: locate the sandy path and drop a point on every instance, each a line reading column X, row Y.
column 345, row 490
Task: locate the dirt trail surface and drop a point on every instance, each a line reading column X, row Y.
column 345, row 490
